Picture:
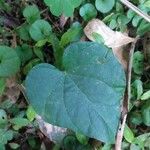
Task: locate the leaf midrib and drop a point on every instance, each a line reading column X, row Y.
column 91, row 104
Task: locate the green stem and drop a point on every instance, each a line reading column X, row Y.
column 58, row 51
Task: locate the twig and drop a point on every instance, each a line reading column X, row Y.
column 136, row 9
column 129, row 71
column 62, row 21
column 14, row 40
column 43, row 11
column 120, row 134
column 125, row 107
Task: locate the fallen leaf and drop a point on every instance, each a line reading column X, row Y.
column 112, row 39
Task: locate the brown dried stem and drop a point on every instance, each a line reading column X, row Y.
column 126, row 99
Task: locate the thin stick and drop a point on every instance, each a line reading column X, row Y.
column 126, row 99
column 63, row 20
column 135, row 9
column 120, row 134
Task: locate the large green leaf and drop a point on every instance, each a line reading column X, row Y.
column 86, row 96
column 9, row 61
column 65, row 7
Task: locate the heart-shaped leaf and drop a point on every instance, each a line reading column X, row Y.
column 31, row 13
column 40, row 30
column 88, row 11
column 65, row 7
column 9, row 61
column 86, row 96
column 104, row 6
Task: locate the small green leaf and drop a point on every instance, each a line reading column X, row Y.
column 128, row 134
column 136, row 118
column 14, row 145
column 146, row 113
column 146, row 95
column 9, row 61
column 5, row 6
column 31, row 13
column 147, row 3
column 98, row 38
column 108, row 18
column 143, row 28
column 73, row 34
column 136, row 20
column 3, row 118
column 19, row 122
column 24, row 52
column 6, row 135
column 130, row 14
column 104, row 6
column 138, row 62
column 122, row 21
column 140, row 141
column 119, row 7
column 41, row 43
column 137, row 89
column 58, row 50
column 40, row 30
column 88, row 12
column 84, row 96
column 113, row 23
column 39, row 53
column 58, row 7
column 3, row 114
column 30, row 113
column 23, row 32
column 82, row 138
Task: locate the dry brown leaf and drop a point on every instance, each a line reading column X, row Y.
column 54, row 133
column 112, row 39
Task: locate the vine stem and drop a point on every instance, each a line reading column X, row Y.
column 136, row 9
column 125, row 106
